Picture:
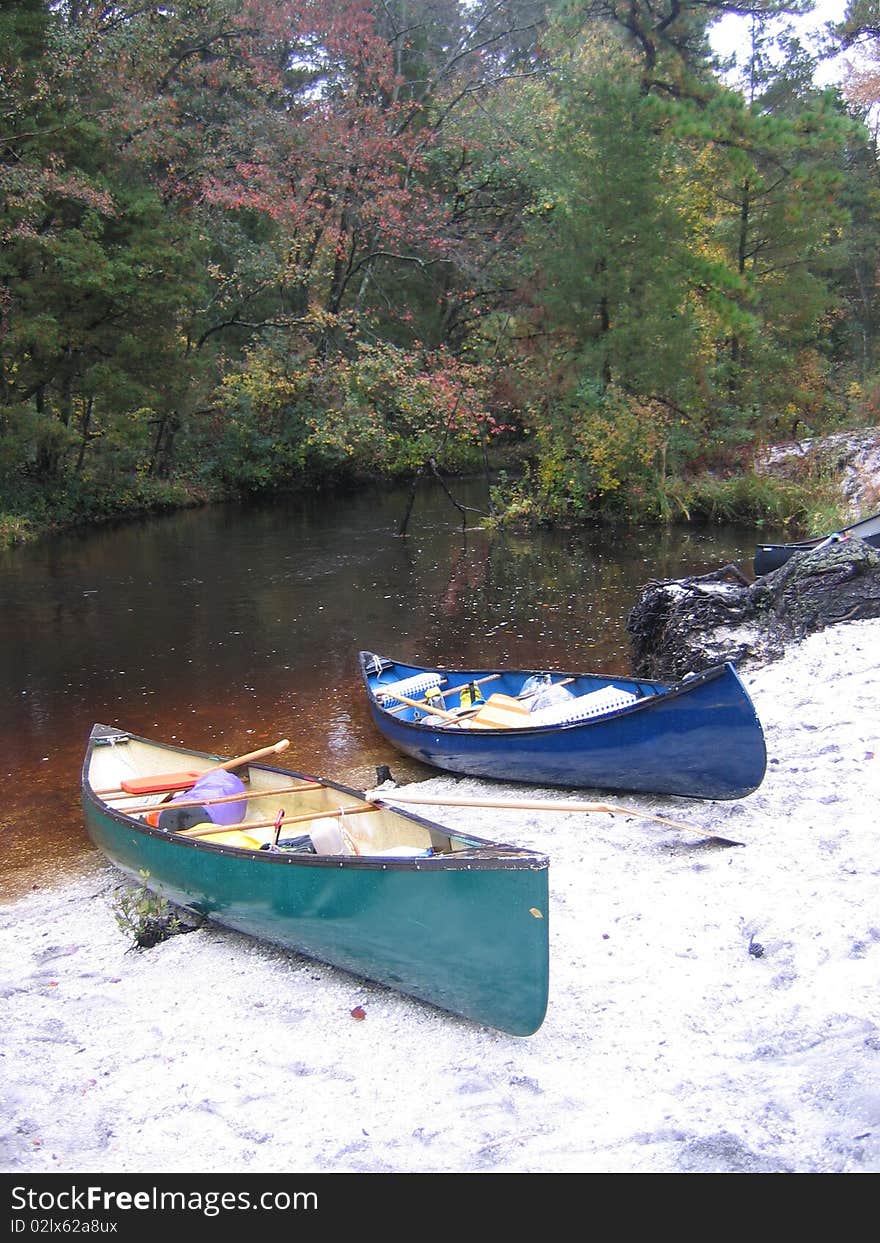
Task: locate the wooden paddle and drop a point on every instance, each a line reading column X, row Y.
column 182, row 781
column 426, row 703
column 461, row 714
column 561, row 805
column 224, row 798
column 252, row 755
column 414, row 703
column 328, row 812
column 422, row 703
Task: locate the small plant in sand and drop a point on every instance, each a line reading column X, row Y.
column 146, row 916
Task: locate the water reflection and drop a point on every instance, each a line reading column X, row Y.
column 228, row 628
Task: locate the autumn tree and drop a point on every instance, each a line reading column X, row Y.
column 780, row 158
column 679, row 265
column 384, row 205
column 93, row 273
column 249, row 242
column 859, row 36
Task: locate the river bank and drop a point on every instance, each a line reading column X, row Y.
column 712, row 1009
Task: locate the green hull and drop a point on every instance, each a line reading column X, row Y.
column 467, row 933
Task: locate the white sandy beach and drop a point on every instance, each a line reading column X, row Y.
column 711, row 1009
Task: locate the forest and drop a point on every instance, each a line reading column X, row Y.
column 252, row 247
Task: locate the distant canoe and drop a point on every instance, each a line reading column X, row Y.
column 442, row 916
column 700, row 738
column 769, row 557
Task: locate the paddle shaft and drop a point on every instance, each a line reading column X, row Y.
column 455, row 717
column 252, row 755
column 426, row 703
column 245, row 825
column 414, row 703
column 544, row 805
column 226, row 765
column 224, row 798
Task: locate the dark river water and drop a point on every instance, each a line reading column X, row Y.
column 229, row 628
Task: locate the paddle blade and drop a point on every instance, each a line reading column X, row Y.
column 159, row 783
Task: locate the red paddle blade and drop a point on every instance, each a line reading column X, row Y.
column 159, row 783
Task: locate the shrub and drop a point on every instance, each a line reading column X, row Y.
column 146, row 916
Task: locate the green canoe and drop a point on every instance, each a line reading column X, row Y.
column 311, row 865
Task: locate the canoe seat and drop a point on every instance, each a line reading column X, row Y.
column 410, row 687
column 582, row 707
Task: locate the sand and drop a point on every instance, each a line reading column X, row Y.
column 712, row 1009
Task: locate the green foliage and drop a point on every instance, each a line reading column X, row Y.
column 598, row 455
column 385, row 411
column 15, row 530
column 145, row 916
column 255, row 439
column 807, row 501
column 239, row 256
column 611, row 242
column 745, row 497
column 394, row 410
column 97, row 278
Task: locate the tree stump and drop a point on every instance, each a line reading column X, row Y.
column 683, row 626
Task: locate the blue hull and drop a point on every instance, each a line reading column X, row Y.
column 700, row 738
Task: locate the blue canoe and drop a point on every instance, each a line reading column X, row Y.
column 699, row 738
